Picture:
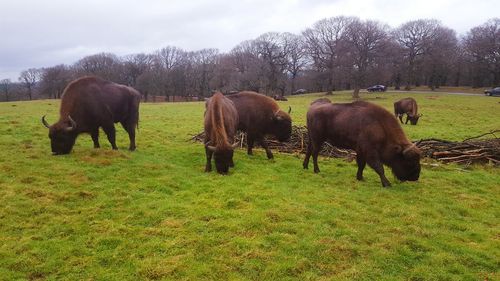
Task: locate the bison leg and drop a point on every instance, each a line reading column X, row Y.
column 130, row 128
column 315, row 152
column 95, row 137
column 360, row 160
column 208, row 166
column 111, row 133
column 305, row 164
column 400, row 116
column 376, row 165
column 250, row 141
column 407, row 119
column 263, row 143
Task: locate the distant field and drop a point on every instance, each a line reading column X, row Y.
column 154, row 214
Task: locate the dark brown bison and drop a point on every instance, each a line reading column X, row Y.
column 88, row 103
column 221, row 122
column 409, row 107
column 260, row 115
column 368, row 129
column 280, row 98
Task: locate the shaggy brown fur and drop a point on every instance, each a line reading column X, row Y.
column 260, row 115
column 221, row 120
column 367, row 128
column 88, row 103
column 409, row 107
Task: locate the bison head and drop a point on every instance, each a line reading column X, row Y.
column 281, row 126
column 223, row 158
column 414, row 119
column 406, row 163
column 62, row 135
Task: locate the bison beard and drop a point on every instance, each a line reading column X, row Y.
column 89, row 103
column 368, row 129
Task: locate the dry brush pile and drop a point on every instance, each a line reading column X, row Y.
column 468, row 151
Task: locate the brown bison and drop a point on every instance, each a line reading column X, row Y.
column 409, row 107
column 88, row 103
column 368, row 129
column 221, row 122
column 260, row 115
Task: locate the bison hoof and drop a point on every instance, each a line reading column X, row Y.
column 316, row 170
column 387, row 184
column 132, row 148
column 305, row 166
column 360, row 178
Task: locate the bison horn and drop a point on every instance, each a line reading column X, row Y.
column 289, row 109
column 44, row 122
column 235, row 145
column 411, row 151
column 277, row 115
column 211, row 148
column 73, row 124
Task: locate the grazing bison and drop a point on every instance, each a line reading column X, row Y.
column 221, row 122
column 409, row 107
column 368, row 129
column 260, row 115
column 88, row 103
column 280, row 98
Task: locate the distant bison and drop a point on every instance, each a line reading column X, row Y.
column 260, row 115
column 221, row 121
column 368, row 129
column 280, row 98
column 409, row 107
column 89, row 103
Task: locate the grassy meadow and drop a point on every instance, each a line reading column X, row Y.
column 153, row 214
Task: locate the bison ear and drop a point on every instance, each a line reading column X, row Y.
column 398, row 148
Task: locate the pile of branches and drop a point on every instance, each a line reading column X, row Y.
column 297, row 144
column 471, row 150
column 468, row 151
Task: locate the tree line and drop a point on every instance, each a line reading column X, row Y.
column 339, row 53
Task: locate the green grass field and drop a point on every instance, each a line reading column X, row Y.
column 98, row 214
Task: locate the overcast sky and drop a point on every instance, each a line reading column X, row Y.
column 43, row 33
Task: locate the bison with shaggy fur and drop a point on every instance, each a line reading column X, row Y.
column 221, row 122
column 260, row 115
column 88, row 103
column 409, row 107
column 370, row 130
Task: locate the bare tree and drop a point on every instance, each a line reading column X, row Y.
column 272, row 48
column 103, row 65
column 169, row 62
column 326, row 44
column 54, row 79
column 5, row 86
column 482, row 47
column 203, row 64
column 415, row 37
column 440, row 57
column 367, row 41
column 249, row 67
column 134, row 66
column 29, row 78
column 295, row 57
